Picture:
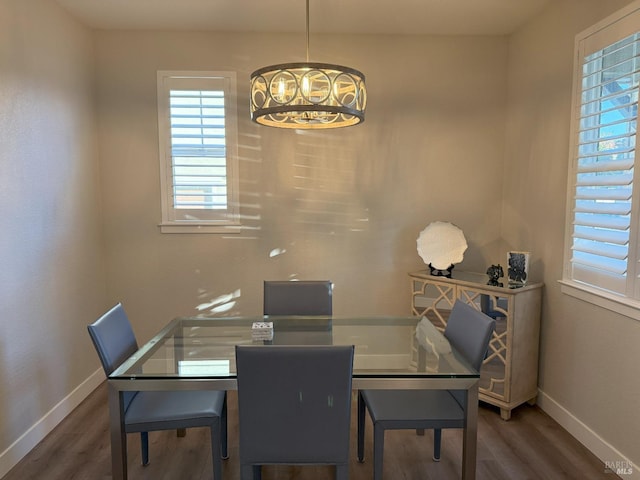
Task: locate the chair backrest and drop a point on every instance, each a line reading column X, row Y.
column 294, row 403
column 113, row 338
column 469, row 331
column 309, row 297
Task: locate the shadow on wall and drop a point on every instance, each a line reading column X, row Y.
column 301, row 202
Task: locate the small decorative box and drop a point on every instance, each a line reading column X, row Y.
column 262, row 331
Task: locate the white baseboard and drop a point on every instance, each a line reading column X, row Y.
column 29, row 439
column 612, row 458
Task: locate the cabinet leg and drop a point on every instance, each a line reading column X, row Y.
column 505, row 414
column 532, row 401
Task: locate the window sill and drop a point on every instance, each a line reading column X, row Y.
column 624, row 306
column 199, row 228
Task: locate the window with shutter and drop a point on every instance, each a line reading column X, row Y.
column 198, row 151
column 602, row 238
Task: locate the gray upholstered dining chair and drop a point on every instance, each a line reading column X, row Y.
column 469, row 332
column 294, row 406
column 115, row 341
column 305, row 297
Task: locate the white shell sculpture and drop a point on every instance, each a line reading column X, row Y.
column 441, row 244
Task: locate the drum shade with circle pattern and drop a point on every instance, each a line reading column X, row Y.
column 308, row 95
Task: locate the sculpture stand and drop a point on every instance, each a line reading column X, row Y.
column 437, row 272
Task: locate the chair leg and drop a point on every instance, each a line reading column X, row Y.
column 437, row 443
column 223, row 427
column 216, row 449
column 342, row 472
column 246, row 472
column 361, row 423
column 257, row 472
column 378, row 451
column 144, row 447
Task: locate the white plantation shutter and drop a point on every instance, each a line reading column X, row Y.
column 198, row 148
column 604, row 231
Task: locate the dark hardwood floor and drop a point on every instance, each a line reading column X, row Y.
column 529, row 446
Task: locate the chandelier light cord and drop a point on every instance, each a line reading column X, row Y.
column 307, row 31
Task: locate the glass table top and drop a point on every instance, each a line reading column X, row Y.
column 204, row 347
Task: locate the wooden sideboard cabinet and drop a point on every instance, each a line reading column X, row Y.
column 509, row 374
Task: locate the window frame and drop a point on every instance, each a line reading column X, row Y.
column 176, row 220
column 605, row 33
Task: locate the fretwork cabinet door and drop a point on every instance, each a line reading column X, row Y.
column 509, row 374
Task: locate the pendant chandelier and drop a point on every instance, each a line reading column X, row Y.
column 308, row 95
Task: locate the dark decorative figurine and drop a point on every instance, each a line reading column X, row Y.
column 495, row 272
column 517, row 272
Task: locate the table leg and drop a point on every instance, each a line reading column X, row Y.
column 118, row 434
column 470, row 439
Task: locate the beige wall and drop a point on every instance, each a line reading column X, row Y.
column 52, row 279
column 345, row 205
column 589, row 356
column 468, row 130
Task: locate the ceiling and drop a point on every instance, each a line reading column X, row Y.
column 449, row 17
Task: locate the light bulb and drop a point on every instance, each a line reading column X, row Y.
column 281, row 88
column 305, row 86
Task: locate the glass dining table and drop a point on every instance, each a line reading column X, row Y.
column 198, row 353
